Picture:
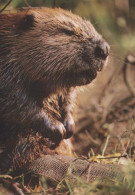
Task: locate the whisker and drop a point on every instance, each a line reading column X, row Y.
column 117, row 59
column 121, row 59
column 114, row 45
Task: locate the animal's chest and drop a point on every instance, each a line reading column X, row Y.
column 54, row 104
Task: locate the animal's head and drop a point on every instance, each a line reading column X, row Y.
column 55, row 46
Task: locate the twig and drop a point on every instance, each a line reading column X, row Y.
column 26, row 2
column 5, row 6
column 131, row 59
column 125, row 77
column 5, row 177
column 54, row 3
column 106, row 143
column 109, row 157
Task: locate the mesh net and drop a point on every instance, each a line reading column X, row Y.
column 56, row 167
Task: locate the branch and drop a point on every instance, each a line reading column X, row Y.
column 26, row 2
column 125, row 77
column 54, row 3
column 9, row 1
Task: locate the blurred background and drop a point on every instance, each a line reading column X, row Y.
column 106, row 109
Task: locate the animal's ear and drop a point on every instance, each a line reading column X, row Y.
column 26, row 22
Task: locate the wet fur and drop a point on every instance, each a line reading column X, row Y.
column 44, row 55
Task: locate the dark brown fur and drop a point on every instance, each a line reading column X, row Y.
column 44, row 55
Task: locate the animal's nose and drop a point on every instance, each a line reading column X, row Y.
column 102, row 50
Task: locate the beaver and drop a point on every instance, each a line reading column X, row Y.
column 44, row 54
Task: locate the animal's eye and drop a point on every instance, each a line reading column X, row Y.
column 68, row 32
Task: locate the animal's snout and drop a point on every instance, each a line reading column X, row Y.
column 102, row 50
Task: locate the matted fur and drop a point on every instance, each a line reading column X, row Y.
column 44, row 54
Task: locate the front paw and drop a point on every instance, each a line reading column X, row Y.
column 69, row 126
column 56, row 132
